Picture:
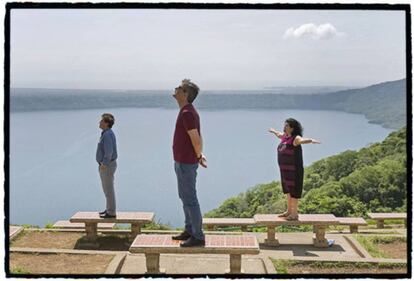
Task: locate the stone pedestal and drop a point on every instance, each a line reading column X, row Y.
column 380, row 223
column 210, row 227
column 235, row 265
column 320, row 241
column 353, row 228
column 271, row 239
column 135, row 230
column 91, row 231
column 153, row 264
column 91, row 239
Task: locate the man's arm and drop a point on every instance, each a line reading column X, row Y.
column 108, row 146
column 197, row 141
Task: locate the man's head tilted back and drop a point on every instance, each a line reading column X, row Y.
column 191, row 89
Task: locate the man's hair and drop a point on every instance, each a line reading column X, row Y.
column 191, row 89
column 109, row 119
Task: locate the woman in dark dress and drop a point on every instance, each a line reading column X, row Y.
column 289, row 156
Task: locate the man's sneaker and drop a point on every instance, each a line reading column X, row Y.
column 193, row 242
column 182, row 236
column 102, row 213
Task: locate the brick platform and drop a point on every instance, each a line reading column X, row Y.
column 234, row 245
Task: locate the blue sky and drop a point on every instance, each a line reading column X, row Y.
column 217, row 49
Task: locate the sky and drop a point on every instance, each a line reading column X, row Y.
column 217, row 49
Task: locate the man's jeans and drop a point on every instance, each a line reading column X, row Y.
column 186, row 178
column 107, row 179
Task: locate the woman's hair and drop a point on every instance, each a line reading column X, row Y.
column 297, row 127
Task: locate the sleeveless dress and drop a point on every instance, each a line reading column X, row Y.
column 290, row 160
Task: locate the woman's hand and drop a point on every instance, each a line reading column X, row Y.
column 272, row 130
column 277, row 133
column 315, row 141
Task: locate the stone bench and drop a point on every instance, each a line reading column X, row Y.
column 152, row 245
column 91, row 220
column 210, row 223
column 319, row 221
column 352, row 222
column 14, row 231
column 380, row 217
column 80, row 225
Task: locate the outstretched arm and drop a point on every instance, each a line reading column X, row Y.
column 277, row 133
column 301, row 140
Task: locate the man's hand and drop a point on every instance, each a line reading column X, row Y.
column 102, row 167
column 202, row 160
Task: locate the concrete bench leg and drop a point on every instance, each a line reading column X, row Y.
column 210, row 227
column 135, row 230
column 91, row 231
column 271, row 237
column 320, row 241
column 153, row 264
column 235, row 264
column 353, row 228
column 405, row 223
column 244, row 228
column 380, row 223
column 91, row 240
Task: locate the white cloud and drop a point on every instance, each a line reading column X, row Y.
column 313, row 31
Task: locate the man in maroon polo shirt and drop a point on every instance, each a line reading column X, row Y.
column 187, row 150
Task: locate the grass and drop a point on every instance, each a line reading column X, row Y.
column 370, row 243
column 19, row 270
column 157, row 226
column 30, row 226
column 282, row 266
column 372, row 222
column 49, row 225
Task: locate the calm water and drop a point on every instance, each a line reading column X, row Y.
column 53, row 172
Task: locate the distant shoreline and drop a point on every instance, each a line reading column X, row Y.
column 382, row 104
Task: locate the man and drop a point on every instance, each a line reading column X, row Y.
column 187, row 150
column 106, row 155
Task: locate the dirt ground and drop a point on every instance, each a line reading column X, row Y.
column 395, row 250
column 59, row 263
column 304, row 269
column 68, row 240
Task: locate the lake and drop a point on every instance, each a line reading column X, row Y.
column 53, row 172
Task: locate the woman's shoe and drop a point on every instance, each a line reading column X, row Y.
column 285, row 214
column 292, row 218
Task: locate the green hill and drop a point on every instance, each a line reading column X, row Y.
column 352, row 183
column 384, row 103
